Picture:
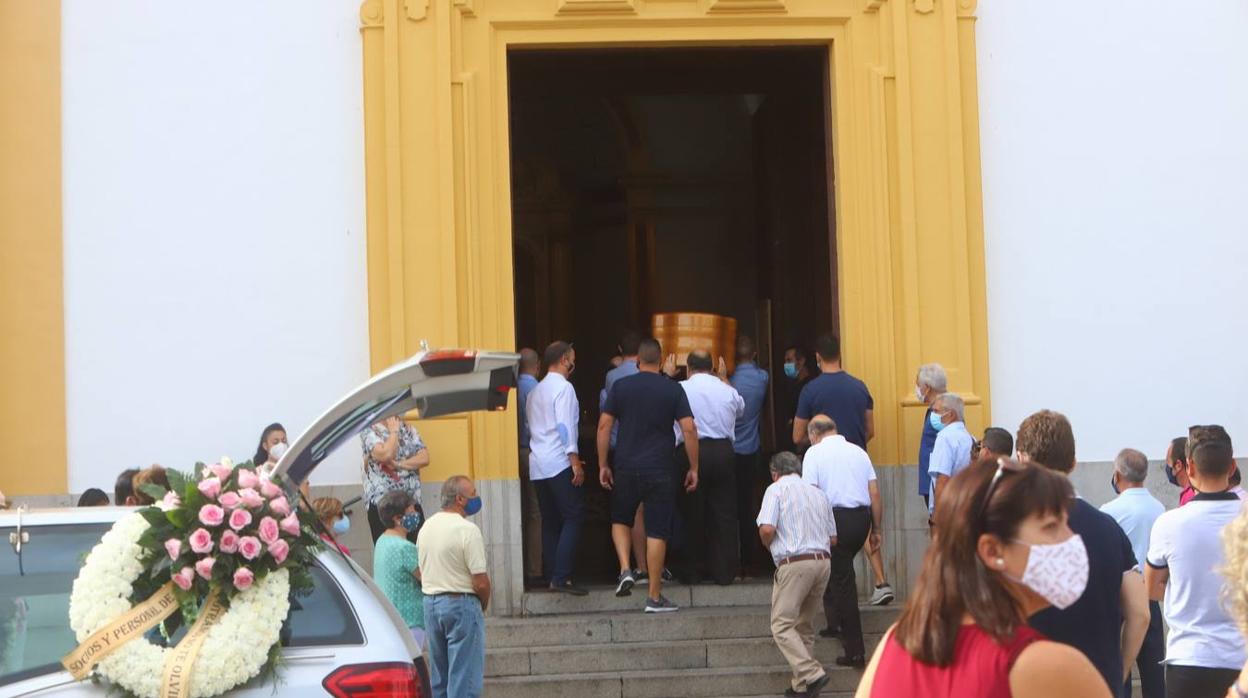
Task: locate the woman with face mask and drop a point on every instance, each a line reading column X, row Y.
column 393, row 458
column 334, row 521
column 1002, row 552
column 272, row 447
column 396, row 565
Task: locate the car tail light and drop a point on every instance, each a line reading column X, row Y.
column 377, row 680
column 448, row 362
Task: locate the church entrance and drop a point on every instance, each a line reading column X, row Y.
column 649, row 181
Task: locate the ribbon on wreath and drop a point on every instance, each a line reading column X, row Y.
column 131, row 625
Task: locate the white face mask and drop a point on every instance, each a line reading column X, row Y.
column 277, row 451
column 918, row 392
column 1057, row 572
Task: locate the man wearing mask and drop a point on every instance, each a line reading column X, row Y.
column 1108, row 621
column 930, row 383
column 1136, row 511
column 457, row 592
column 530, row 365
column 1185, row 557
column 554, row 416
column 750, row 382
column 951, row 454
column 1176, row 469
column 798, row 371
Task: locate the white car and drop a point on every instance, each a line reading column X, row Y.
column 344, row 639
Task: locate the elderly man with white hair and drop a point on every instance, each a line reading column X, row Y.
column 929, row 384
column 951, row 453
column 1136, row 510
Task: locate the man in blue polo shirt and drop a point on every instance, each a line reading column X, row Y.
column 750, row 382
column 837, row 394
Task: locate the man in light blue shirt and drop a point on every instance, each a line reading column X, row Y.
column 530, row 364
column 952, row 452
column 629, row 345
column 752, row 475
column 1136, row 510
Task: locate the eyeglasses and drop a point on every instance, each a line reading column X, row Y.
column 1004, row 465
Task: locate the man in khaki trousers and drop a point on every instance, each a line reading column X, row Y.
column 796, row 525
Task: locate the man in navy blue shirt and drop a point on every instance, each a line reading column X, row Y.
column 837, row 394
column 930, row 383
column 647, row 405
column 1108, row 622
column 752, row 474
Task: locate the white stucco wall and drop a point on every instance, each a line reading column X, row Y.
column 1115, row 163
column 214, row 228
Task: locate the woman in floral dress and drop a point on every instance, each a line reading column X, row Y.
column 393, row 458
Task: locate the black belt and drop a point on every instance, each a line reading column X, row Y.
column 453, row 594
column 700, row 440
column 866, row 507
column 803, row 557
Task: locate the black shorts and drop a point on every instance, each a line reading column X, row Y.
column 656, row 489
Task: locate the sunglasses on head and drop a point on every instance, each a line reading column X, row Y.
column 1004, row 466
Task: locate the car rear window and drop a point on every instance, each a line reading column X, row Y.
column 34, row 602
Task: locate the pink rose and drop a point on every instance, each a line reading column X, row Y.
column 290, row 525
column 280, row 506
column 249, row 547
column 230, row 500
column 269, row 489
column 173, row 546
column 239, row 518
column 211, row 515
column 243, row 578
column 204, row 567
column 268, row 530
column 201, row 541
column 209, row 487
column 221, row 471
column 184, row 578
column 170, row 501
column 229, row 542
column 279, row 550
column 251, row 498
column 247, row 478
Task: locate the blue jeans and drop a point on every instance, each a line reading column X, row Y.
column 563, row 511
column 455, row 629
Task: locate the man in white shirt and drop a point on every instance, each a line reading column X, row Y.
column 710, row 511
column 555, row 469
column 1136, row 511
column 1204, row 651
column 952, row 452
column 797, row 526
column 844, row 473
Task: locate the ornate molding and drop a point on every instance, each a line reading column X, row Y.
column 873, row 5
column 966, row 8
column 466, row 8
column 372, row 14
column 924, row 7
column 416, row 10
column 722, row 6
column 596, row 7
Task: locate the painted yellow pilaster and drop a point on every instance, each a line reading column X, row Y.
column 32, row 328
column 904, row 164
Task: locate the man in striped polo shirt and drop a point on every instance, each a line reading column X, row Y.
column 796, row 525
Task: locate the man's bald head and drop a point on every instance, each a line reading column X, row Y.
column 530, row 362
column 699, row 361
column 820, row 427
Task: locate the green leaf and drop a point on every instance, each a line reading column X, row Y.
column 177, row 517
column 153, row 490
column 177, row 481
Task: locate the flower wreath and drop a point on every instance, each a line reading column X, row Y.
column 221, row 553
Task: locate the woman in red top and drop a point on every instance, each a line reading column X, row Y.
column 1002, row 551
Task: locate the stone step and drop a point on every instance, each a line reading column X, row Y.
column 638, row 656
column 705, row 623
column 602, row 598
column 686, row 683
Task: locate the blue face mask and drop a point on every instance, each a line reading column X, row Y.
column 1113, row 482
column 473, row 506
column 934, row 420
column 1174, row 479
column 410, row 521
column 790, row 369
column 341, row 526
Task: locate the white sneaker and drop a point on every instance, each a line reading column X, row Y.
column 882, row 596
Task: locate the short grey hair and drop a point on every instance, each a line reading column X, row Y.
column 452, row 488
column 1132, row 465
column 819, row 425
column 785, row 463
column 933, row 376
column 954, row 402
